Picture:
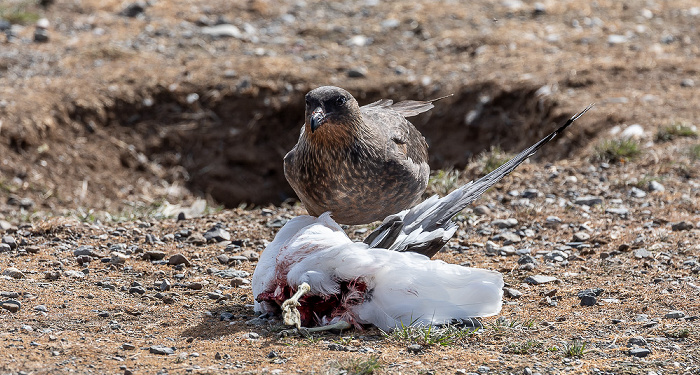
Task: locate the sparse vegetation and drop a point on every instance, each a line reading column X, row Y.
column 358, row 366
column 503, row 323
column 524, row 347
column 575, row 349
column 676, row 130
column 429, row 334
column 695, row 152
column 617, row 150
column 682, row 333
column 19, row 13
column 493, row 159
column 442, row 182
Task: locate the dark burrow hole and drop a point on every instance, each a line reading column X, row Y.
column 229, row 144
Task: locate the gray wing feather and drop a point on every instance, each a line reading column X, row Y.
column 428, row 226
column 406, row 108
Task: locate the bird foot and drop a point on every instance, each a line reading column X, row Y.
column 290, row 313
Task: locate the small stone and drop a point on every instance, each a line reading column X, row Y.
column 414, row 348
column 41, row 35
column 640, row 352
column 512, row 293
column 217, row 234
column 683, row 225
column 620, row 211
column 527, row 258
column 154, row 255
column 74, row 274
column 588, row 300
column 539, row 279
column 33, row 249
column 133, row 9
column 357, row 72
column 164, row 286
column 656, row 186
column 41, row 308
column 482, row 210
column 553, row 221
column 687, row 82
column 195, row 286
column 223, row 258
column 581, row 237
column 637, row 341
column 10, row 241
column 13, row 273
column 52, row 275
column 505, row 223
column 223, row 31
column 251, row 336
column 196, row 239
column 127, row 346
column 179, row 259
column 588, row 201
column 85, row 250
column 507, row 238
column 137, row 290
column 117, row 258
column 161, row 350
column 641, row 253
column 215, row 296
column 11, row 305
column 252, row 255
column 239, row 281
column 616, row 39
column 5, row 248
column 637, row 193
column 675, row 315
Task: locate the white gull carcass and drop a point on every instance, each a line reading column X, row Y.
column 316, row 275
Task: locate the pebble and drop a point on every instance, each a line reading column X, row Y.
column 620, row 211
column 117, row 258
column 196, row 239
column 252, row 255
column 223, row 258
column 641, row 253
column 127, row 346
column 5, row 248
column 11, row 305
column 675, row 315
column 588, row 200
column 507, row 238
column 637, row 193
column 539, row 279
column 13, row 273
column 162, row 350
column 638, row 341
column 581, row 237
column 217, row 234
column 588, row 300
column 179, row 259
column 239, row 281
column 687, row 82
column 251, row 336
column 74, row 274
column 531, row 193
column 154, row 255
column 482, row 210
column 414, row 348
column 357, row 72
column 527, row 258
column 41, row 35
column 10, row 241
column 656, row 186
column 505, row 223
column 41, row 308
column 553, row 221
column 683, row 225
column 223, row 31
column 512, row 293
column 640, row 352
column 164, row 286
column 230, row 273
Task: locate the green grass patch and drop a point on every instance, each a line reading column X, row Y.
column 502, row 324
column 428, row 335
column 494, row 159
column 362, row 366
column 682, row 333
column 443, row 182
column 674, row 131
column 617, row 150
column 575, row 349
column 21, row 13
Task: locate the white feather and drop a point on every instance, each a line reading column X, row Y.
column 406, row 288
